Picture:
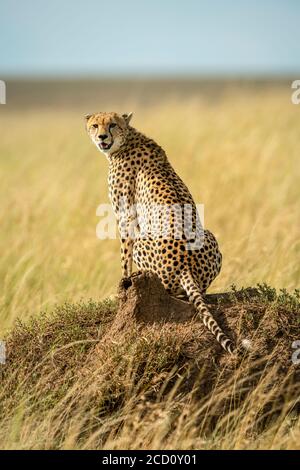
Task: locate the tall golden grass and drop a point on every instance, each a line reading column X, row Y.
column 239, row 157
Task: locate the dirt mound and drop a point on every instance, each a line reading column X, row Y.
column 100, row 364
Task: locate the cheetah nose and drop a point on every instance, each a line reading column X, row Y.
column 102, row 136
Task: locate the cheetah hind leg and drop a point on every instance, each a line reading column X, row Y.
column 195, row 297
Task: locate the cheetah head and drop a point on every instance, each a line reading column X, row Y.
column 108, row 131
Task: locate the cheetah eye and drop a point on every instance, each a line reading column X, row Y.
column 95, row 126
column 112, row 125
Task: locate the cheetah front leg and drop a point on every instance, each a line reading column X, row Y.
column 127, row 229
column 126, row 256
column 126, row 215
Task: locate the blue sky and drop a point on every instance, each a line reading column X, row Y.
column 163, row 37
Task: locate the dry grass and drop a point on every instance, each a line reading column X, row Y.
column 239, row 156
column 69, row 383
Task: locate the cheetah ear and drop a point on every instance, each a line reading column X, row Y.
column 127, row 117
column 87, row 117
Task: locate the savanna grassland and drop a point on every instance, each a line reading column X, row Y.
column 237, row 147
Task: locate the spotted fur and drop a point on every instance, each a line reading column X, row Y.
column 140, row 172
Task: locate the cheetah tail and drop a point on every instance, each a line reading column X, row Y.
column 197, row 300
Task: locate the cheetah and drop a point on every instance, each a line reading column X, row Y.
column 141, row 176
